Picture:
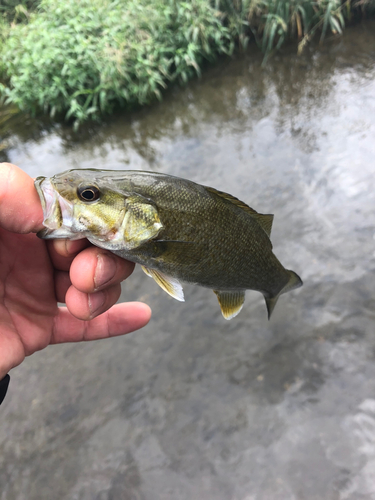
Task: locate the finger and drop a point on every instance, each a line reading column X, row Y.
column 11, row 349
column 119, row 320
column 62, row 252
column 20, row 207
column 94, row 269
column 62, row 285
column 86, row 306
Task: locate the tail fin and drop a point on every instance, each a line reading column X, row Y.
column 294, row 282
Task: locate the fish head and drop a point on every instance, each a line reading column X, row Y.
column 82, row 204
column 76, row 206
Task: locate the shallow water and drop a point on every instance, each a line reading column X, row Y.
column 193, row 406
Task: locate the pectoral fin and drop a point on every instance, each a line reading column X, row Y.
column 141, row 222
column 170, row 285
column 231, row 302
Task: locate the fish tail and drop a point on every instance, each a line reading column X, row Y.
column 294, row 282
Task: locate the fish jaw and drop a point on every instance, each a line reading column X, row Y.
column 57, row 212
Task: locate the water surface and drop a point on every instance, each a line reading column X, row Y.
column 193, row 406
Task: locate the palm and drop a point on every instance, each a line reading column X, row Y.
column 35, row 276
column 28, row 303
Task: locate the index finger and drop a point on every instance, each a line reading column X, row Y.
column 20, row 207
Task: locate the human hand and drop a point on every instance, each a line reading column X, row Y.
column 36, row 274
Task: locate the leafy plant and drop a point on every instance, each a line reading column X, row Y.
column 272, row 22
column 85, row 58
column 14, row 10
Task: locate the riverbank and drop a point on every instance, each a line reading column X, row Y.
column 80, row 60
column 194, row 407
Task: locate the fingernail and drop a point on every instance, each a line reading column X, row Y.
column 105, row 270
column 96, row 300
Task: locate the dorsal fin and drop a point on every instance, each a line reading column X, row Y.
column 233, row 200
column 264, row 220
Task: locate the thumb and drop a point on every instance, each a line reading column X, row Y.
column 20, row 207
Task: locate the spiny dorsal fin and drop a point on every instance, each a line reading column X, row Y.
column 264, row 220
column 231, row 302
column 170, row 285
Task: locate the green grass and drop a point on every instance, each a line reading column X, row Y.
column 82, row 59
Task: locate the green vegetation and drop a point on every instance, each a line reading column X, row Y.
column 272, row 22
column 85, row 58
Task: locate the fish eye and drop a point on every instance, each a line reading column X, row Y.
column 88, row 193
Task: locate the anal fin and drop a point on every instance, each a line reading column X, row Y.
column 170, row 285
column 230, row 301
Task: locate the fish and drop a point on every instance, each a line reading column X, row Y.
column 177, row 230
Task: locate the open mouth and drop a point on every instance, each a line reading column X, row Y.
column 56, row 210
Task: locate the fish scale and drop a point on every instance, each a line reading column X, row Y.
column 178, row 230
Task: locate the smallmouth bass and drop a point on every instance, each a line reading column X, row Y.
column 176, row 229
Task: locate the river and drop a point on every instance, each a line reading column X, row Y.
column 194, row 407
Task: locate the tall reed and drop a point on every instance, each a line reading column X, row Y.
column 85, row 58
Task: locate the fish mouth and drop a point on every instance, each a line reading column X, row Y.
column 57, row 212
